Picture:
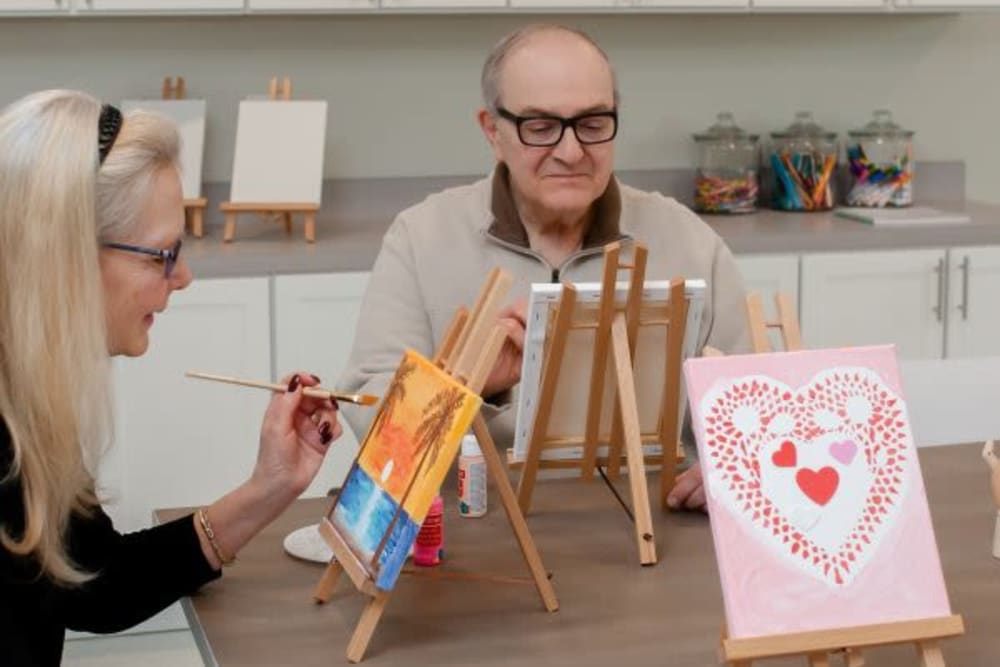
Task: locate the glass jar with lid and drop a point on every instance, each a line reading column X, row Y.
column 726, row 178
column 880, row 159
column 803, row 160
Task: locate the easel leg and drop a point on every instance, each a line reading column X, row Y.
column 633, row 442
column 230, row 230
column 366, row 626
column 286, row 218
column 930, row 654
column 310, row 226
column 534, row 561
column 853, row 657
column 197, row 222
column 328, row 582
column 818, row 660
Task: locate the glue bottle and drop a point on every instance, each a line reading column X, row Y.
column 429, row 548
column 471, row 479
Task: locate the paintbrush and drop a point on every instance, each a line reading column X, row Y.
column 315, row 392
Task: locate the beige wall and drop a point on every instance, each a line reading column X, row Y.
column 403, row 89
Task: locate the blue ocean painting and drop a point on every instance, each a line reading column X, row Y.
column 363, row 513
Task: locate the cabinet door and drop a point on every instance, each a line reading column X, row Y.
column 947, row 5
column 768, row 275
column 973, row 316
column 812, row 5
column 315, row 318
column 34, row 6
column 159, row 6
column 180, row 441
column 871, row 298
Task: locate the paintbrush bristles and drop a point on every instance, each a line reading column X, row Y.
column 315, row 392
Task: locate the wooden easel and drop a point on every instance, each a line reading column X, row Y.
column 616, row 328
column 787, row 323
column 278, row 211
column 467, row 353
column 194, row 209
column 816, row 646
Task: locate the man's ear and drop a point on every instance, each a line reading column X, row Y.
column 488, row 124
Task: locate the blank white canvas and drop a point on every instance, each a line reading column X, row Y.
column 568, row 416
column 190, row 118
column 279, row 152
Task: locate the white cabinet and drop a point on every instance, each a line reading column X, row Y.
column 158, row 6
column 868, row 298
column 819, row 5
column 769, row 274
column 315, row 316
column 947, row 5
column 286, row 6
column 973, row 290
column 185, row 442
column 30, row 7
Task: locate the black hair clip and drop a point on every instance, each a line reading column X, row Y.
column 108, row 126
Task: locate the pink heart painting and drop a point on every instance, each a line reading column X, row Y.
column 809, row 464
column 786, row 460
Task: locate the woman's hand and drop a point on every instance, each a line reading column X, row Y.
column 294, row 438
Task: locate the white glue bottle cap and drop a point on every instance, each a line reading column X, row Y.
column 470, row 446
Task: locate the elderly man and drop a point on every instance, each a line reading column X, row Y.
column 544, row 214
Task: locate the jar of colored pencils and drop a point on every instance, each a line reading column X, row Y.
column 802, row 160
column 881, row 164
column 726, row 178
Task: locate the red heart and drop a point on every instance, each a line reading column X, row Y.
column 819, row 485
column 785, row 457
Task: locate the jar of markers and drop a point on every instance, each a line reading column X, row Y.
column 881, row 163
column 803, row 160
column 726, row 178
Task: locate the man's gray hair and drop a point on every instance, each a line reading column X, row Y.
column 493, row 67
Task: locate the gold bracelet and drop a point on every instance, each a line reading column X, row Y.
column 210, row 534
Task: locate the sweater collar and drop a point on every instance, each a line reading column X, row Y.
column 508, row 227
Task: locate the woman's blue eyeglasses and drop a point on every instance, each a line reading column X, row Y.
column 168, row 257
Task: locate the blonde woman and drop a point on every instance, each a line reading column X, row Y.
column 91, row 220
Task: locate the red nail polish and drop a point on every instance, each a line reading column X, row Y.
column 333, row 402
column 325, row 433
column 315, row 377
column 293, row 384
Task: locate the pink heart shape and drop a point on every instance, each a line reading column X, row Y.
column 819, row 415
column 844, row 451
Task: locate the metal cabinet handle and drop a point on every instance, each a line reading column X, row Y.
column 963, row 307
column 938, row 309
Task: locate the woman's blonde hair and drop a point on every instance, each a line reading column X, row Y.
column 57, row 204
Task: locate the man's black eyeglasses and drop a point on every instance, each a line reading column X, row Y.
column 593, row 127
column 168, row 257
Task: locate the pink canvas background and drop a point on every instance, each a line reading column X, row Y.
column 766, row 595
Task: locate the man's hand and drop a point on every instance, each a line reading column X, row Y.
column 688, row 491
column 507, row 370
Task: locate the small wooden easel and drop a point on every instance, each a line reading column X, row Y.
column 787, row 323
column 281, row 211
column 468, row 352
column 616, row 327
column 194, row 209
column 816, row 646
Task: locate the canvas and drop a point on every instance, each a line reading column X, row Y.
column 817, row 504
column 409, row 448
column 189, row 115
column 568, row 417
column 279, row 152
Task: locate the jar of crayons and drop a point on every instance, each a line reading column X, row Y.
column 726, row 178
column 803, row 159
column 881, row 163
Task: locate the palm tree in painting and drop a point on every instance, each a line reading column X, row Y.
column 436, row 422
column 394, row 395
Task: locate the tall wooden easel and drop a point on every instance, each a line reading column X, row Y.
column 817, row 646
column 616, row 327
column 277, row 211
column 787, row 323
column 174, row 88
column 467, row 353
